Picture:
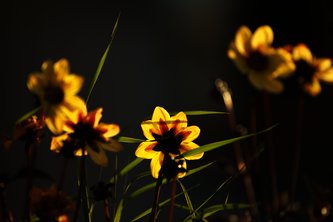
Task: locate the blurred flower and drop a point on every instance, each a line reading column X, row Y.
column 85, row 132
column 50, row 204
column 255, row 57
column 167, row 137
column 56, row 89
column 310, row 70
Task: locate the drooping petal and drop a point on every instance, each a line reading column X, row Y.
column 57, row 142
column 262, row 37
column 145, row 150
column 302, row 52
column 242, row 40
column 99, row 157
column 313, row 88
column 190, row 133
column 190, row 146
column 109, row 130
column 94, row 117
column 72, row 84
column 111, row 145
column 156, row 163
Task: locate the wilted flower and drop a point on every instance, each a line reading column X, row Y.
column 56, row 89
column 84, row 132
column 254, row 56
column 50, row 204
column 167, row 137
column 310, row 70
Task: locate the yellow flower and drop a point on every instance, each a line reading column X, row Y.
column 85, row 132
column 56, row 89
column 310, row 70
column 167, row 137
column 254, row 56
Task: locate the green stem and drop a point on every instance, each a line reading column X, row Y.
column 172, row 199
column 83, row 189
column 156, row 198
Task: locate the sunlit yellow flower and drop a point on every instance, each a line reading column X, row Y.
column 85, row 132
column 56, row 89
column 310, row 70
column 167, row 137
column 254, row 56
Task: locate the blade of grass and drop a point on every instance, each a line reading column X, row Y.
column 27, row 115
column 102, row 61
column 126, row 169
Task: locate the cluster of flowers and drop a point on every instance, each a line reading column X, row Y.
column 266, row 65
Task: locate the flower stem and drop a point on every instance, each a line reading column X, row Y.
column 83, row 189
column 106, row 210
column 63, row 174
column 30, row 153
column 172, row 199
column 156, row 198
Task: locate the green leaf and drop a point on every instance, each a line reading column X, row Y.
column 195, row 170
column 126, row 169
column 215, row 145
column 210, row 197
column 187, row 197
column 125, row 139
column 27, row 115
column 202, row 112
column 220, row 207
column 119, row 211
column 102, row 61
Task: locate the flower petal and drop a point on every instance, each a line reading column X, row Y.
column 155, row 164
column 302, row 52
column 148, row 128
column 61, row 69
column 72, row 84
column 323, row 64
column 55, row 123
column 190, row 133
column 160, row 114
column 74, row 103
column 35, row 84
column 99, row 157
column 313, row 88
column 190, row 146
column 262, row 37
column 57, row 142
column 179, row 121
column 326, row 76
column 266, row 83
column 111, row 145
column 109, row 130
column 145, row 150
column 182, row 174
column 242, row 40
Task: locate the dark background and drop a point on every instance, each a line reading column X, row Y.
column 169, row 53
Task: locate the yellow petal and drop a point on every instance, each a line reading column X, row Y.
column 72, row 84
column 74, row 103
column 323, row 64
column 57, row 142
column 239, row 60
column 242, row 40
column 266, row 83
column 147, row 129
column 99, row 158
column 55, row 123
column 111, row 145
column 284, row 63
column 160, row 114
column 326, row 76
column 155, row 164
column 110, row 130
column 302, row 52
column 61, row 69
column 94, row 117
column 313, row 88
column 191, row 132
column 79, row 152
column 190, row 146
column 35, row 84
column 145, row 150
column 262, row 37
column 182, row 123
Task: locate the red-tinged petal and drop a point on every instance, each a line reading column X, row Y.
column 145, row 150
column 179, row 121
column 190, row 133
column 109, row 130
column 313, row 88
column 94, row 117
column 148, row 128
column 57, row 142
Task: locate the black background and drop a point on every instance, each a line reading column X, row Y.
column 168, row 53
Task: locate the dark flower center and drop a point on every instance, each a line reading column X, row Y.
column 168, row 142
column 257, row 61
column 304, row 71
column 172, row 167
column 54, row 95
